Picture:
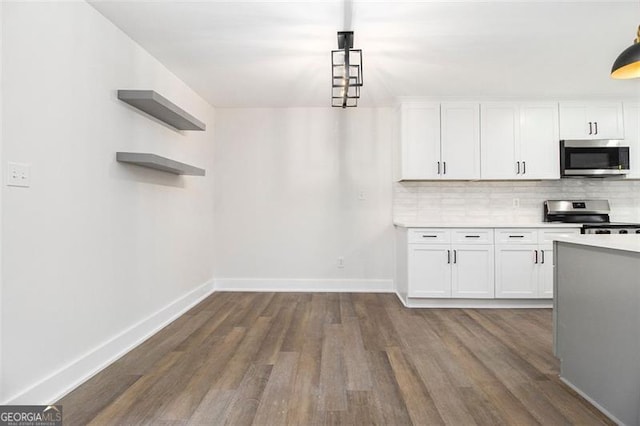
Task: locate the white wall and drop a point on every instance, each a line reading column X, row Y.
column 493, row 201
column 287, row 198
column 93, row 246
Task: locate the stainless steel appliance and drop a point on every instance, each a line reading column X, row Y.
column 596, row 158
column 592, row 214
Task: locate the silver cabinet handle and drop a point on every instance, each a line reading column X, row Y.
column 542, row 252
column 429, row 236
column 524, row 167
column 536, row 256
column 438, row 167
column 448, row 256
column 472, row 236
column 516, row 236
column 455, row 256
column 518, row 163
column 444, row 167
column 595, row 123
column 590, row 128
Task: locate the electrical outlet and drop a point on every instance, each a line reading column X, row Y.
column 18, row 174
column 340, row 262
column 516, row 203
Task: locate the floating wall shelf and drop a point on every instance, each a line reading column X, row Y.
column 161, row 108
column 157, row 162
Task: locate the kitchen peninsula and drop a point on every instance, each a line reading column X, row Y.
column 597, row 320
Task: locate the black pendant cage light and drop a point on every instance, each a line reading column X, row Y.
column 627, row 65
column 346, row 72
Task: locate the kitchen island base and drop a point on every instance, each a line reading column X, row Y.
column 597, row 323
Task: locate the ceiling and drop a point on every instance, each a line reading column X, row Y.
column 276, row 53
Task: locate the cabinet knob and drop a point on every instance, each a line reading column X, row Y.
column 518, row 163
column 542, row 253
column 595, row 124
column 590, row 128
column 438, row 167
column 524, row 167
column 536, row 256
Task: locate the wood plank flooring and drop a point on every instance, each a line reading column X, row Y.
column 327, row 358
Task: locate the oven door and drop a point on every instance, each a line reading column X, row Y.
column 594, row 158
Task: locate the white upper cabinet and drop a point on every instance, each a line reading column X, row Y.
column 439, row 141
column 632, row 133
column 460, row 141
column 419, row 142
column 519, row 141
column 539, row 141
column 499, row 133
column 591, row 120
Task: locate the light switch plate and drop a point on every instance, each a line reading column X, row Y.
column 18, row 174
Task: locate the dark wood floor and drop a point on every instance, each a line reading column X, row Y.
column 326, row 358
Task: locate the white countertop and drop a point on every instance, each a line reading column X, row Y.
column 472, row 224
column 609, row 241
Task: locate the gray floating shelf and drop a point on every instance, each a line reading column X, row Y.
column 161, row 108
column 157, row 162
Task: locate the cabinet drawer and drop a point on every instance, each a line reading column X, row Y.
column 547, row 235
column 472, row 236
column 516, row 236
column 429, row 236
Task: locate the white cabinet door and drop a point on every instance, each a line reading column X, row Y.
column 591, row 120
column 460, row 128
column 429, row 271
column 632, row 136
column 516, row 272
column 545, row 278
column 499, row 127
column 419, row 141
column 608, row 120
column 473, row 271
column 539, row 141
column 573, row 121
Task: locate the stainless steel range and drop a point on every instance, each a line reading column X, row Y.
column 592, row 214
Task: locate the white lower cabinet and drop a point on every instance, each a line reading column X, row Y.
column 445, row 269
column 546, row 272
column 472, row 272
column 524, row 262
column 429, row 271
column 465, row 263
column 516, row 272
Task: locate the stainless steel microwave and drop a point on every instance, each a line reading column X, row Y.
column 594, row 158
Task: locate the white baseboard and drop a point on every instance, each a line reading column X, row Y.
column 304, row 285
column 63, row 381
column 412, row 302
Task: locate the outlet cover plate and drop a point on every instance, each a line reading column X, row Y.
column 18, row 174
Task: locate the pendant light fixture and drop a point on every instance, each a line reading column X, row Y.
column 346, row 72
column 627, row 65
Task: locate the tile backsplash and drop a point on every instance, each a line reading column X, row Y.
column 493, row 201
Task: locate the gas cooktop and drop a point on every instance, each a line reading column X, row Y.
column 592, row 214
